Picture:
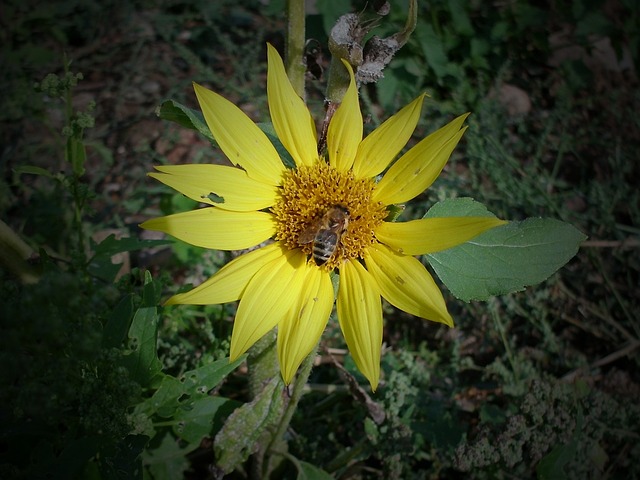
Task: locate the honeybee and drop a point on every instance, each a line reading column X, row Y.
column 325, row 233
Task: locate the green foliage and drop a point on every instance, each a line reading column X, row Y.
column 505, row 259
column 62, row 388
column 458, row 46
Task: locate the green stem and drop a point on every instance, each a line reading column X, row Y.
column 296, row 394
column 295, row 45
column 68, row 153
column 338, row 81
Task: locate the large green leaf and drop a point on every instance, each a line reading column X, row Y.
column 504, row 259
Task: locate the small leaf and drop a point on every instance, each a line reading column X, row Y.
column 460, row 18
column 142, row 359
column 504, row 259
column 307, row 471
column 200, row 381
column 270, row 132
column 551, row 466
column 165, row 401
column 169, row 460
column 198, row 419
column 33, row 170
column 187, row 117
column 433, row 50
column 115, row 330
column 112, row 245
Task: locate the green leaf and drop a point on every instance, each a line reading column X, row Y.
column 173, row 393
column 504, row 259
column 198, row 419
column 387, row 87
column 185, row 116
column 169, row 460
column 270, row 132
column 33, row 170
column 166, row 399
column 433, row 50
column 460, row 18
column 115, row 330
column 112, row 246
column 243, row 428
column 307, row 471
column 102, row 265
column 200, row 381
column 551, row 466
column 142, row 359
column 458, row 207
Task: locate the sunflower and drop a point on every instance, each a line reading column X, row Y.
column 260, row 201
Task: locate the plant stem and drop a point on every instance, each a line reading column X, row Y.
column 294, row 48
column 296, row 394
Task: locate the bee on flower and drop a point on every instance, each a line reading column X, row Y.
column 327, row 215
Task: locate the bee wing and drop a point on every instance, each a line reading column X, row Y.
column 308, row 235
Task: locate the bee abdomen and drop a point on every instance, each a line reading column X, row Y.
column 324, row 246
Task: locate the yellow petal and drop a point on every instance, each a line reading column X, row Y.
column 215, row 228
column 300, row 330
column 417, row 169
column 381, row 146
column 240, row 139
column 429, row 235
column 268, row 298
column 228, row 284
column 225, row 187
column 345, row 128
column 405, row 283
column 360, row 316
column 290, row 116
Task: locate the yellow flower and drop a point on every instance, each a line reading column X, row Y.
column 284, row 283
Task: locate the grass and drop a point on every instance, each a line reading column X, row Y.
column 540, row 382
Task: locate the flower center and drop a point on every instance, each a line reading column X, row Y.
column 328, row 214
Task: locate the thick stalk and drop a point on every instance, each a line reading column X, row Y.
column 294, row 49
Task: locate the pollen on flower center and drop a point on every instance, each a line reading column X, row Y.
column 308, row 193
